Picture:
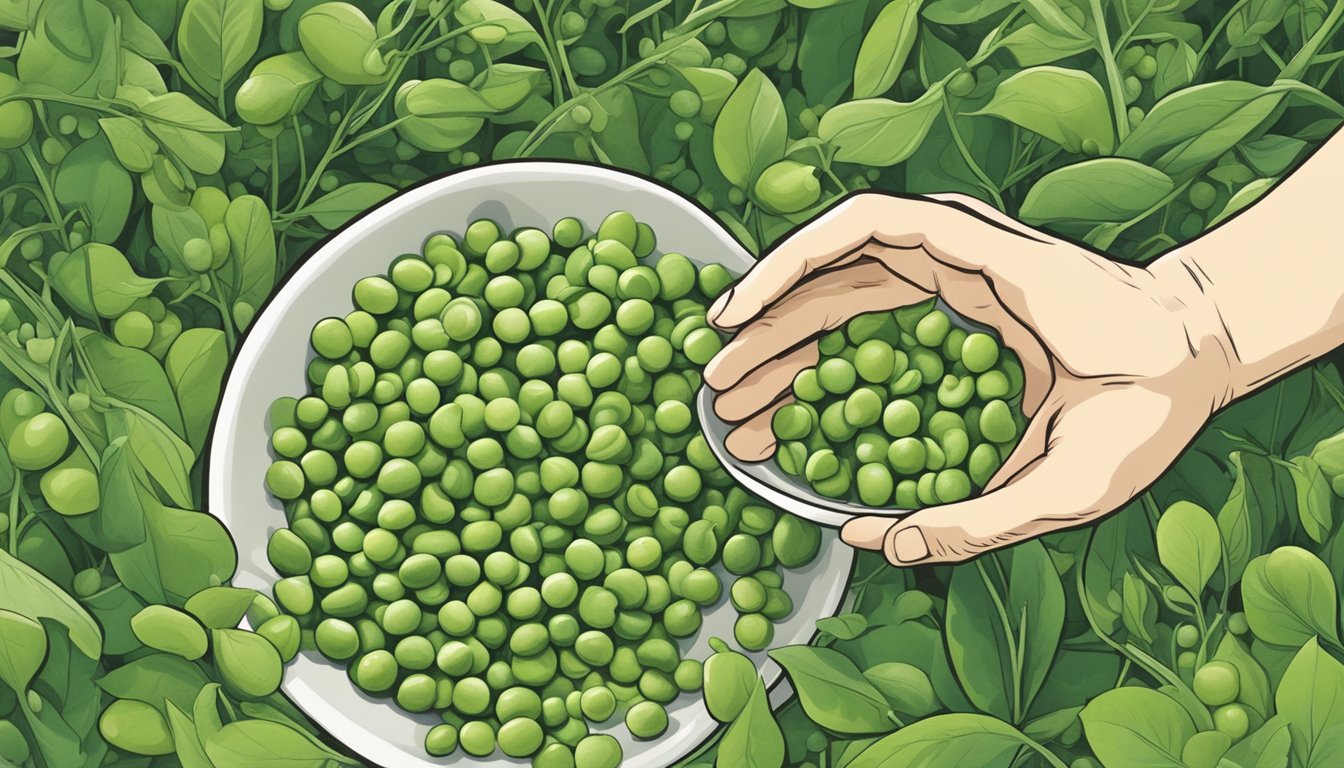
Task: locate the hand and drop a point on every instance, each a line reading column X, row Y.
column 1123, row 366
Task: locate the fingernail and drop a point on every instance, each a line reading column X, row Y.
column 719, row 305
column 908, row 545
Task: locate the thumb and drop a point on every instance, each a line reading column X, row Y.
column 901, row 541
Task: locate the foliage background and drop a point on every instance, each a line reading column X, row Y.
column 133, row 128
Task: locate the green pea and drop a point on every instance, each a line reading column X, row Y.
column 476, row 737
column 900, row 418
column 520, row 737
column 983, row 463
column 598, row 751
column 996, row 422
column 979, row 352
column 646, row 720
column 288, row 553
column 741, row 553
column 933, row 328
column 753, row 631
column 441, row 740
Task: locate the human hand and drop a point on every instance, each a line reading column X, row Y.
column 1123, row 365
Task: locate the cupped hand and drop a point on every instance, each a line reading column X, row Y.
column 1123, row 367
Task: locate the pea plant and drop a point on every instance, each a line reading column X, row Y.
column 162, row 164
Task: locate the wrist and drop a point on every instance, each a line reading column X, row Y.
column 1182, row 287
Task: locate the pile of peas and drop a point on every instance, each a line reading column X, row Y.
column 903, row 409
column 500, row 506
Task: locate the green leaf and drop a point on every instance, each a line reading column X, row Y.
column 96, row 280
column 134, row 147
column 753, row 740
column 834, row 693
column 72, row 48
column 1139, row 612
column 751, row 131
column 1243, row 197
column 195, row 365
column 954, row 12
column 1137, row 728
column 1033, row 45
column 1289, row 596
column 880, row 132
column 1266, row 747
column 220, row 607
column 118, row 523
column 173, row 229
column 1012, row 599
column 91, row 179
column 30, row 594
column 1066, row 106
column 1050, row 14
column 133, row 376
column 1192, row 126
column 843, row 627
column 184, row 128
column 265, row 744
column 250, row 270
column 184, row 552
column 504, row 86
column 905, row 687
column 1104, row 189
column 1271, row 155
column 440, row 97
column 338, row 206
column 714, row 86
column 189, row 749
column 1311, row 698
column 1188, row 545
column 216, row 38
column 1049, row 726
column 1254, row 690
column 1239, row 537
column 885, row 47
column 828, row 49
column 1177, row 65
column 945, row 740
column 518, row 33
column 155, row 679
column 23, row 647
column 164, row 455
column 1313, row 498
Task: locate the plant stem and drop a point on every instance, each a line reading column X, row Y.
column 965, row 151
column 1112, row 72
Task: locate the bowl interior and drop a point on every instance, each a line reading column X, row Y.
column 271, row 363
column 767, row 480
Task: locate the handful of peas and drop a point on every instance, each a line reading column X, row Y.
column 903, row 409
column 500, row 506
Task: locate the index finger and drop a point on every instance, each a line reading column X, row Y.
column 825, row 241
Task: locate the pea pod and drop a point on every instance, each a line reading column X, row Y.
column 336, row 38
column 729, row 678
column 787, row 186
column 278, row 87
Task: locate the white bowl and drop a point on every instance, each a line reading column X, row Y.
column 271, row 363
